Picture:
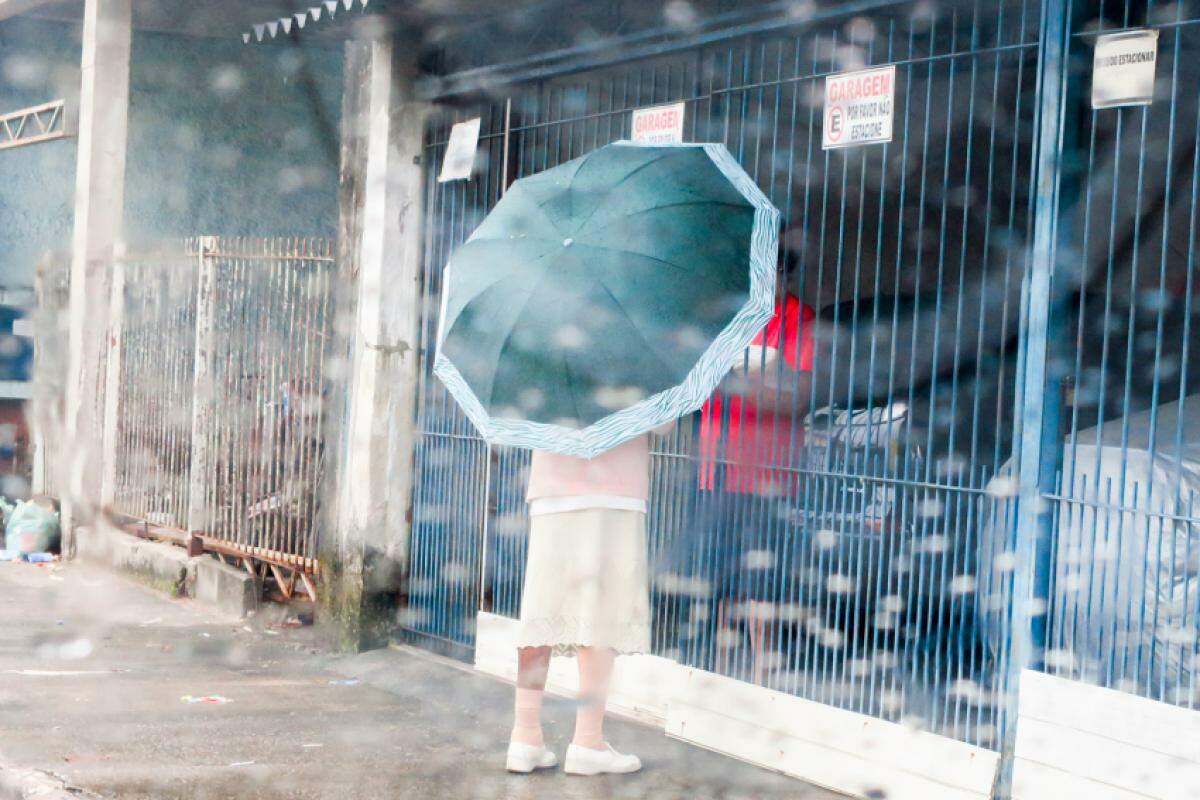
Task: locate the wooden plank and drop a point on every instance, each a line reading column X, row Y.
column 1147, row 724
column 839, row 749
column 221, row 546
column 859, row 775
column 1104, row 760
column 1033, row 781
column 931, row 758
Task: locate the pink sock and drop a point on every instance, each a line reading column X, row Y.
column 595, row 670
column 527, row 722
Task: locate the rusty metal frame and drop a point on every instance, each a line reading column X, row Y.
column 244, row 333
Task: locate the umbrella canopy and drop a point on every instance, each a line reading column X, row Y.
column 607, row 296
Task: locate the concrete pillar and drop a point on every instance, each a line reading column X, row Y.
column 363, row 555
column 99, row 206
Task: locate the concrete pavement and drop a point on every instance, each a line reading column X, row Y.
column 94, row 669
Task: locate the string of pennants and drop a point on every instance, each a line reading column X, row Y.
column 327, row 8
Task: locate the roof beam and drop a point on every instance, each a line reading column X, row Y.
column 10, row 8
column 31, row 125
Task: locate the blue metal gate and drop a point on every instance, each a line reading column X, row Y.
column 1001, row 306
column 1123, row 578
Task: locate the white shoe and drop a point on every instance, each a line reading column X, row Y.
column 586, row 761
column 528, row 757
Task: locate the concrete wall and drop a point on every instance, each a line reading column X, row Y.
column 224, row 139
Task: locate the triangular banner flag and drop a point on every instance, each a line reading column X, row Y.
column 364, row 2
column 259, row 30
column 347, row 4
column 301, row 19
column 331, row 7
column 287, row 24
column 315, row 11
column 245, row 38
column 272, row 28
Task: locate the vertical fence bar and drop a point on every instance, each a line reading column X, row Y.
column 200, row 470
column 109, row 441
column 1038, row 409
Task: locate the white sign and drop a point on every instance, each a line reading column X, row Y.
column 859, row 107
column 459, row 160
column 1123, row 69
column 23, row 327
column 658, row 124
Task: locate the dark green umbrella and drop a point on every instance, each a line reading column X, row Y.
column 606, row 296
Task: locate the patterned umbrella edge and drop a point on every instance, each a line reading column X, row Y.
column 669, row 404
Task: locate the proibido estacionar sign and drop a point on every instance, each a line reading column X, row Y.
column 859, row 107
column 1123, row 69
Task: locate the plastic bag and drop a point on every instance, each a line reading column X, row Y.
column 31, row 528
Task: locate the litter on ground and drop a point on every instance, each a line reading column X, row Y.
column 211, row 699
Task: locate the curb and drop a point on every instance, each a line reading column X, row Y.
column 32, row 784
column 170, row 570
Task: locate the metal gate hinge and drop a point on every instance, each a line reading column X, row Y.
column 399, row 348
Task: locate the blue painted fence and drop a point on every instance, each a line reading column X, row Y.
column 1000, row 406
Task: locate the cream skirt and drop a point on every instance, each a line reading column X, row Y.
column 586, row 582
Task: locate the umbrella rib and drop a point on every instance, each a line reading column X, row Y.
column 571, row 381
column 626, row 217
column 517, row 191
column 508, row 336
column 611, row 189
column 634, row 326
column 670, row 264
column 495, row 280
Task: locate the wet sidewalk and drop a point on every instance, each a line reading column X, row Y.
column 123, row 693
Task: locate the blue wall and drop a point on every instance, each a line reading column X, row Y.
column 224, row 139
column 39, row 62
column 230, row 139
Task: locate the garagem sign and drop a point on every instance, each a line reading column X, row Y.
column 658, row 124
column 859, row 107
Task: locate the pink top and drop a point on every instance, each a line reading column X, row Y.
column 623, row 471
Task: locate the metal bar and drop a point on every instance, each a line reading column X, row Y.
column 199, row 516
column 609, row 52
column 1092, row 33
column 1039, row 423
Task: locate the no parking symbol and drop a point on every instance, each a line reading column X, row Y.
column 835, row 125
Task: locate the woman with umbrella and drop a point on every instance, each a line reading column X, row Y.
column 586, row 592
column 600, row 300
